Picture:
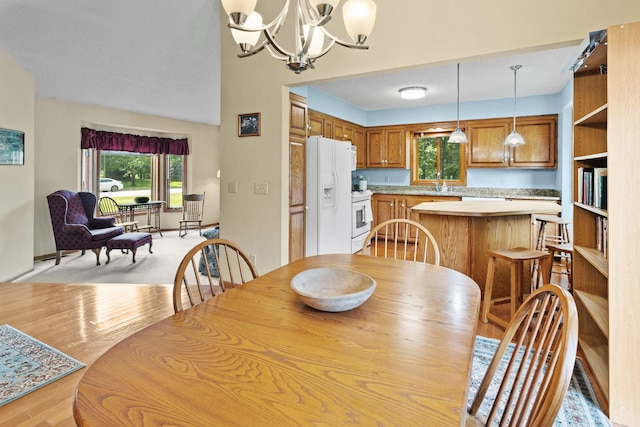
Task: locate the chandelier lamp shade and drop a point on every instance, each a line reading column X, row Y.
column 458, row 136
column 413, row 92
column 514, row 138
column 311, row 39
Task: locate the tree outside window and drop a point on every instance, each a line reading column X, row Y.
column 432, row 154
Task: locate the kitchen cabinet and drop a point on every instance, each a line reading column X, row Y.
column 297, row 174
column 486, row 143
column 386, row 147
column 316, row 124
column 331, row 127
column 393, row 206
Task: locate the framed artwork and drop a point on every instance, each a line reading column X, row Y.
column 249, row 124
column 11, row 147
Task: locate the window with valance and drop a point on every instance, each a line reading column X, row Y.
column 152, row 166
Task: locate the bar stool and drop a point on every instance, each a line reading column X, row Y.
column 543, row 240
column 516, row 256
column 562, row 229
column 565, row 250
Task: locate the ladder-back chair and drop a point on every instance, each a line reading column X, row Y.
column 192, row 213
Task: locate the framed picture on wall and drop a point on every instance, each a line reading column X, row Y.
column 249, row 124
column 11, row 147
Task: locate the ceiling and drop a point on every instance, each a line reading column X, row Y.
column 161, row 57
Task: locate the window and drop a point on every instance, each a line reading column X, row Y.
column 125, row 166
column 123, row 176
column 434, row 159
column 175, row 173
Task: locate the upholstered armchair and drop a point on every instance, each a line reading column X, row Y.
column 74, row 225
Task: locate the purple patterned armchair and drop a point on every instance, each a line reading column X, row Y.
column 74, row 226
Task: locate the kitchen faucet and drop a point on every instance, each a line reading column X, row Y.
column 438, row 181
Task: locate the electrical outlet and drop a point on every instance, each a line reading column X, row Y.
column 261, row 188
column 232, row 187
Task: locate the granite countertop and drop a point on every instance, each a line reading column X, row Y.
column 508, row 193
column 488, row 208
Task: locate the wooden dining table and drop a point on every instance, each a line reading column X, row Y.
column 257, row 356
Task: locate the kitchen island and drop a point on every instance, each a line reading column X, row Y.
column 465, row 230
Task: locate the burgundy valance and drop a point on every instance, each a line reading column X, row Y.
column 102, row 140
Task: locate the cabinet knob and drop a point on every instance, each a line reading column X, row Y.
column 391, row 204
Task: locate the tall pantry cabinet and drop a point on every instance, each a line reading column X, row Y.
column 606, row 264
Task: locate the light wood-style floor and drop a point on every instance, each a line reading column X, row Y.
column 84, row 321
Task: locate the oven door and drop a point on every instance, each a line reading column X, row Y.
column 361, row 223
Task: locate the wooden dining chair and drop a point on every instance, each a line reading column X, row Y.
column 402, row 239
column 533, row 364
column 209, row 268
column 109, row 207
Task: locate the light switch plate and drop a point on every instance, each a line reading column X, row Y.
column 262, row 188
column 232, row 187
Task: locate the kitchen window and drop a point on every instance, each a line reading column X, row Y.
column 434, row 159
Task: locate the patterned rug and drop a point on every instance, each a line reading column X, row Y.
column 26, row 364
column 580, row 406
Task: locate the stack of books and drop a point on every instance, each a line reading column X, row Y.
column 592, row 187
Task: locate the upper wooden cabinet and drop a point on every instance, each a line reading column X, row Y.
column 486, row 143
column 386, row 147
column 331, row 127
column 316, row 124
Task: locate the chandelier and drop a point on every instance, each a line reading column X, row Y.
column 310, row 33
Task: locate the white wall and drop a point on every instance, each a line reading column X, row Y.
column 400, row 39
column 58, row 158
column 16, row 181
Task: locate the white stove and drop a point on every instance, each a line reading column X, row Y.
column 361, row 218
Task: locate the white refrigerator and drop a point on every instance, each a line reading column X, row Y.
column 328, row 181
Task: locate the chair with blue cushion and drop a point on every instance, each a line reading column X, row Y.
column 74, row 224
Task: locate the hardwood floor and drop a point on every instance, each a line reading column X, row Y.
column 84, row 321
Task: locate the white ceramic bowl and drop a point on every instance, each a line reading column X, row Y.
column 333, row 289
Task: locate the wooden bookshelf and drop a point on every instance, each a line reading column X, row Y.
column 590, row 266
column 605, row 133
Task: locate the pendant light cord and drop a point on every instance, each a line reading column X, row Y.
column 515, row 69
column 458, row 100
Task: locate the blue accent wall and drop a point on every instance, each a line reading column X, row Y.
column 557, row 179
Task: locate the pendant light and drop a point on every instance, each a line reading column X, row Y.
column 514, row 138
column 458, row 136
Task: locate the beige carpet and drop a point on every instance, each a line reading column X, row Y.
column 156, row 268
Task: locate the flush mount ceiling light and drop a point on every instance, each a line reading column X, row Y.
column 458, row 136
column 310, row 32
column 514, row 138
column 413, row 92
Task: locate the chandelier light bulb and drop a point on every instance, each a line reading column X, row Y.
column 238, row 10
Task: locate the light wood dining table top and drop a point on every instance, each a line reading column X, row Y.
column 256, row 355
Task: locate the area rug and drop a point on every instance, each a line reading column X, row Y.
column 26, row 364
column 580, row 406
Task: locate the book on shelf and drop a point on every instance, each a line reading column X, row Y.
column 602, row 240
column 600, row 188
column 592, row 187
